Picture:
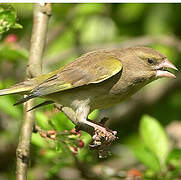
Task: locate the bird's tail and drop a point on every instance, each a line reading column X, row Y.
column 18, row 88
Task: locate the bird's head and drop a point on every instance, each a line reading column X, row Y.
column 141, row 65
column 153, row 62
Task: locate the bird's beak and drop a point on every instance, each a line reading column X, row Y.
column 161, row 69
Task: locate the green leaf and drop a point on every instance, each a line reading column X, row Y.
column 17, row 26
column 93, row 114
column 147, row 157
column 154, row 137
column 7, row 18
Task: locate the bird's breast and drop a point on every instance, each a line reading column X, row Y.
column 99, row 96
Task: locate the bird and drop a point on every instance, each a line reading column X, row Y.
column 96, row 80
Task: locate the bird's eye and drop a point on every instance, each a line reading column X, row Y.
column 150, row 61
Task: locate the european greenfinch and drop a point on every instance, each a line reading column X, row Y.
column 97, row 80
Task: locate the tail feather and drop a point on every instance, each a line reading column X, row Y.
column 31, row 96
column 19, row 88
column 28, row 85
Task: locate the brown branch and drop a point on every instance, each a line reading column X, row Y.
column 50, row 133
column 40, row 22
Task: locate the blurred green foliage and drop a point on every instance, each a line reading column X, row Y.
column 75, row 29
column 8, row 18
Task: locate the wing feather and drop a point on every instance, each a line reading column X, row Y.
column 88, row 69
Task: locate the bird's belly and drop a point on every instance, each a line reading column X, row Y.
column 105, row 101
column 99, row 98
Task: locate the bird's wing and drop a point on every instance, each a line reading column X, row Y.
column 85, row 70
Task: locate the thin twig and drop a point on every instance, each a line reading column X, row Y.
column 40, row 22
column 50, row 133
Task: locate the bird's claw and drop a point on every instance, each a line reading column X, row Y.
column 102, row 139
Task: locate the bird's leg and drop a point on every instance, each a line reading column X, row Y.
column 102, row 137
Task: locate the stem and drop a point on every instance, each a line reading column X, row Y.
column 40, row 23
column 38, row 38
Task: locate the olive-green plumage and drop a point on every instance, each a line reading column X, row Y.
column 98, row 79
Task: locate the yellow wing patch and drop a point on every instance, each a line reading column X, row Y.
column 108, row 68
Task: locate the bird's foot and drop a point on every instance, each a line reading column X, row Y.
column 103, row 135
column 102, row 139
